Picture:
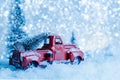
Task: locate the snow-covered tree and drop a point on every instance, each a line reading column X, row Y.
column 16, row 22
column 30, row 43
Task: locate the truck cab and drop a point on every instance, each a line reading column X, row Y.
column 61, row 51
column 55, row 44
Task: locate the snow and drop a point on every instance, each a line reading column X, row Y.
column 95, row 24
column 87, row 70
column 28, row 53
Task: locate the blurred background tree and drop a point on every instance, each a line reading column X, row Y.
column 73, row 38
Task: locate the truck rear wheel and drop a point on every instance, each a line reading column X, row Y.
column 77, row 60
column 50, row 62
column 33, row 64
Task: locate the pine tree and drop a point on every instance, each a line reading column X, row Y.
column 30, row 43
column 73, row 38
column 16, row 22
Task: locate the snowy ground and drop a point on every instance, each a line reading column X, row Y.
column 90, row 69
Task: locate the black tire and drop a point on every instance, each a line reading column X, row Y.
column 76, row 61
column 50, row 62
column 32, row 64
column 10, row 61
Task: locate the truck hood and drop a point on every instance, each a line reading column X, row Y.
column 69, row 46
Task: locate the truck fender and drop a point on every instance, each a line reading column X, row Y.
column 32, row 58
column 73, row 55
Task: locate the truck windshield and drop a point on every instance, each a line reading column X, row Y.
column 58, row 41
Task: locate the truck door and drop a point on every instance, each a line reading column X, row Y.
column 59, row 50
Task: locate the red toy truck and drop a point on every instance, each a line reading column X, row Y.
column 52, row 50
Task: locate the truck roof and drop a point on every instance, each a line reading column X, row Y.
column 51, row 34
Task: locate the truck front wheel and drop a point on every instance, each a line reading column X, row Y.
column 77, row 60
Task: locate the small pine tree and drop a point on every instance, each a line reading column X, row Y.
column 30, row 43
column 16, row 22
column 73, row 38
